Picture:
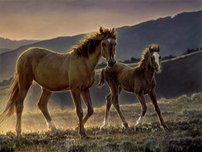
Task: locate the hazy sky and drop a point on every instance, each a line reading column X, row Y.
column 44, row 19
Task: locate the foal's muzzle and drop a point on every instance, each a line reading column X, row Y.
column 111, row 62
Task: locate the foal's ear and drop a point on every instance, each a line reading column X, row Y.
column 150, row 48
column 101, row 29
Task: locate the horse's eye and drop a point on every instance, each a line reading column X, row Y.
column 159, row 57
column 115, row 43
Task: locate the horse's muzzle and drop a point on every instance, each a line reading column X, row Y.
column 111, row 62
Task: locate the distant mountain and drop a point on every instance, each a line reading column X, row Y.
column 2, row 50
column 174, row 34
column 13, row 44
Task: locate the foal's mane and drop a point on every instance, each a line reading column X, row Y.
column 146, row 55
column 89, row 43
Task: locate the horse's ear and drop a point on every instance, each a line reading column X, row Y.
column 101, row 29
column 113, row 30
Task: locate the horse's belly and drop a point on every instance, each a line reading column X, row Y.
column 55, row 85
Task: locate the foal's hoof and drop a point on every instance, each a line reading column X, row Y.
column 125, row 125
column 165, row 127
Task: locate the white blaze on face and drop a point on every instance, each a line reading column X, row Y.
column 109, row 40
column 156, row 58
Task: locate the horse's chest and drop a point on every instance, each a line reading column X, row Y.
column 86, row 82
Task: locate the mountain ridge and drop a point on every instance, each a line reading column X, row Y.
column 174, row 35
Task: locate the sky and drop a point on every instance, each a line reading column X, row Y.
column 45, row 19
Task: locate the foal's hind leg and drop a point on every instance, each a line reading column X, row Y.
column 115, row 91
column 152, row 96
column 108, row 106
column 42, row 104
column 117, row 107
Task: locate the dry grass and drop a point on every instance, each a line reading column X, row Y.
column 183, row 116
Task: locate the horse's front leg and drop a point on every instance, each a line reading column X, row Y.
column 152, row 96
column 87, row 100
column 144, row 109
column 77, row 101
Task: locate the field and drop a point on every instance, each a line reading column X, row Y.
column 183, row 115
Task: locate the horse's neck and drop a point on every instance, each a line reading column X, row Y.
column 93, row 59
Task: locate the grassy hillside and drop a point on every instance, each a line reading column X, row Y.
column 183, row 115
column 180, row 75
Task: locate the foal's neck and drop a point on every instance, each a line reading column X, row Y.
column 149, row 73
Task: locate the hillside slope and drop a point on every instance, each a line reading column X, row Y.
column 174, row 35
column 181, row 75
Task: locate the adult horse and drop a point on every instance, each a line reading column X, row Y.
column 74, row 71
column 139, row 80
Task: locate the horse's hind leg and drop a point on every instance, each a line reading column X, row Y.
column 24, row 85
column 42, row 104
column 144, row 109
column 108, row 106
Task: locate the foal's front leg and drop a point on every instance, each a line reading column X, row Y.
column 144, row 109
column 152, row 96
column 107, row 108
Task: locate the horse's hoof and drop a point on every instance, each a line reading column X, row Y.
column 76, row 128
column 85, row 137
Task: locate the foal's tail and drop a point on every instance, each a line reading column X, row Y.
column 9, row 110
column 102, row 78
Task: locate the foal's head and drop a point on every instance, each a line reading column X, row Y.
column 154, row 50
column 108, row 45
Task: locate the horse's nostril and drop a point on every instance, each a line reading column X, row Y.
column 111, row 62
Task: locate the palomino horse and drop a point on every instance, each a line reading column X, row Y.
column 139, row 80
column 74, row 71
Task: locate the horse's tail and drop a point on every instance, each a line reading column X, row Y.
column 102, row 78
column 9, row 110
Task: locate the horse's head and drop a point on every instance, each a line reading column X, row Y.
column 108, row 45
column 154, row 50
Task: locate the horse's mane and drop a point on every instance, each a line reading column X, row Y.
column 89, row 43
column 146, row 54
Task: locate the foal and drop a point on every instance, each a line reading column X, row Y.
column 139, row 80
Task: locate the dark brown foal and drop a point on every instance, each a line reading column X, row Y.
column 139, row 80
